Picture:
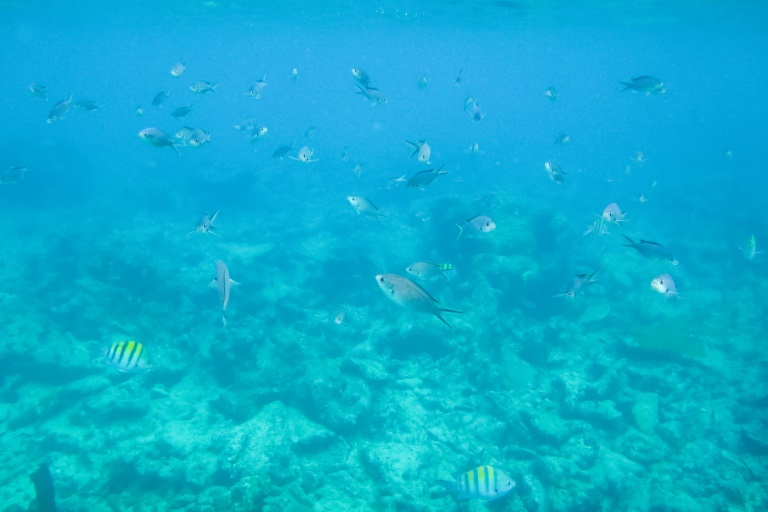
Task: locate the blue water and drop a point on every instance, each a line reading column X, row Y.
column 618, row 399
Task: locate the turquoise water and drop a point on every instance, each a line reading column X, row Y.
column 620, row 398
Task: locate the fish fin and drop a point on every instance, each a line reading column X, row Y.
column 360, row 89
column 173, row 147
column 233, row 282
column 213, row 217
column 191, row 233
column 461, row 231
column 212, row 284
column 630, row 241
column 438, row 315
column 649, row 242
column 449, row 487
column 626, row 86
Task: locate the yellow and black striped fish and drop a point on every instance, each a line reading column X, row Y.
column 483, row 483
column 128, row 356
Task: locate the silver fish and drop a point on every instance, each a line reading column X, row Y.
column 749, row 250
column 613, row 214
column 257, row 88
column 577, row 283
column 646, row 84
column 12, row 174
column 160, row 98
column 201, row 87
column 371, row 94
column 457, row 80
column 158, row 138
column 178, row 69
column 411, row 296
column 424, row 178
column 423, row 82
column 38, row 90
column 664, row 284
column 205, row 224
column 551, row 93
column 246, row 125
column 421, row 149
column 362, row 77
column 223, row 284
column 305, row 155
column 294, row 75
column 394, row 182
column 555, row 172
column 365, row 207
column 87, row 105
column 562, row 138
column 473, row 109
column 258, row 132
column 426, row 270
column 477, row 224
column 199, row 138
column 59, row 110
column 184, row 134
column 282, row 151
column 652, row 250
column 182, row 111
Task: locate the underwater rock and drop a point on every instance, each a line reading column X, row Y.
column 533, row 494
column 582, row 449
column 754, row 437
column 549, row 425
column 368, row 369
column 646, row 412
column 86, row 386
column 396, row 467
column 602, row 412
column 614, row 472
column 341, row 402
column 642, row 448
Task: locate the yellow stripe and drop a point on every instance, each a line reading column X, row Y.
column 136, row 356
column 127, row 354
column 491, row 480
column 118, row 351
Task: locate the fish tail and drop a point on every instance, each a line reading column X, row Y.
column 626, row 86
column 443, row 310
column 449, row 487
column 461, row 231
column 630, row 241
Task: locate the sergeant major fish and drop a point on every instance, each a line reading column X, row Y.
column 477, row 224
column 411, row 296
column 128, row 357
column 160, row 98
column 180, row 112
column 38, row 90
column 178, row 69
column 199, row 138
column 484, row 483
column 362, row 77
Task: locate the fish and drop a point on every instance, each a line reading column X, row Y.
column 365, row 207
column 223, row 284
column 38, row 90
column 199, row 138
column 562, row 138
column 246, row 125
column 205, row 224
column 424, row 178
column 457, row 80
column 282, row 151
column 257, row 88
column 652, row 250
column 551, row 93
column 411, row 296
column 45, row 493
column 423, row 82
column 361, row 77
column 599, row 227
column 258, row 132
column 478, row 224
column 128, row 357
column 185, row 133
column 613, row 214
column 305, row 155
column 201, row 87
column 358, row 169
column 294, row 75
column 473, row 109
column 13, row 174
column 578, row 282
column 182, row 111
column 664, row 284
column 178, row 69
column 484, row 483
column 344, row 154
column 474, row 149
column 646, row 84
column 749, row 250
column 59, row 110
column 310, row 132
column 86, row 105
column 421, row 149
column 371, row 94
column 555, row 172
column 339, row 318
column 639, row 159
column 394, row 182
column 428, row 270
column 158, row 138
column 139, row 110
column 160, row 98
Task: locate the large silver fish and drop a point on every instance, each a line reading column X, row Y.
column 364, row 206
column 158, row 138
column 577, row 283
column 223, row 284
column 411, row 296
column 424, row 178
column 477, row 224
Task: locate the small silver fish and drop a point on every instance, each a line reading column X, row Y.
column 246, row 125
column 424, row 178
column 365, row 207
column 199, row 138
column 305, row 155
column 12, row 174
column 639, row 158
column 664, row 284
column 646, row 84
column 562, row 138
column 282, row 151
column 257, row 88
column 551, row 93
column 750, row 249
column 158, row 138
column 87, row 105
column 474, row 149
column 182, row 111
column 473, row 109
column 457, row 80
column 339, row 318
column 394, row 182
column 201, row 87
column 555, row 172
column 223, row 284
column 577, row 283
column 477, row 224
column 178, row 69
column 258, row 132
column 362, row 77
column 613, row 214
column 38, row 90
column 294, row 75
column 423, row 82
column 411, row 296
column 205, row 224
column 426, row 270
column 371, row 94
column 160, row 98
column 59, row 110
column 184, row 134
column 422, row 151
